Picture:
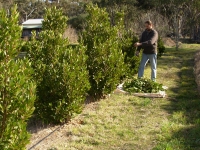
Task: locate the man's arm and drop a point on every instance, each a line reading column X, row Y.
column 152, row 41
column 139, row 47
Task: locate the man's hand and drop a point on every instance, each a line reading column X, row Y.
column 137, row 44
column 137, row 53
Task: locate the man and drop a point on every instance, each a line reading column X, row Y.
column 148, row 42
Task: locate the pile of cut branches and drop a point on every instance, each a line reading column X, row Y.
column 142, row 85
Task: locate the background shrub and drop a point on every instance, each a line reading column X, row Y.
column 161, row 47
column 78, row 21
column 105, row 58
column 130, row 59
column 60, row 71
column 17, row 88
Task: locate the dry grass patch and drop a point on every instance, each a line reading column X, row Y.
column 71, row 34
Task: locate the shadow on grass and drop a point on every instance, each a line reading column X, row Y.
column 184, row 107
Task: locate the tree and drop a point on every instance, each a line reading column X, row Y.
column 174, row 11
column 32, row 9
column 114, row 6
column 192, row 23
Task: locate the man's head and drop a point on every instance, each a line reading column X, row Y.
column 148, row 25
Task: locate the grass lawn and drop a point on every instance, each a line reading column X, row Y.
column 124, row 122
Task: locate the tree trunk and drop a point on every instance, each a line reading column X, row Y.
column 176, row 28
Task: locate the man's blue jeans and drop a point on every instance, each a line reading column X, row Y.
column 153, row 61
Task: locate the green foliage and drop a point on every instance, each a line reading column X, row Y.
column 131, row 60
column 142, row 85
column 17, row 88
column 105, row 58
column 161, row 47
column 60, row 71
column 55, row 21
column 127, row 6
column 78, row 21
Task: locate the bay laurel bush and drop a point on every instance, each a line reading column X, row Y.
column 17, row 88
column 161, row 47
column 131, row 60
column 142, row 85
column 60, row 70
column 105, row 58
